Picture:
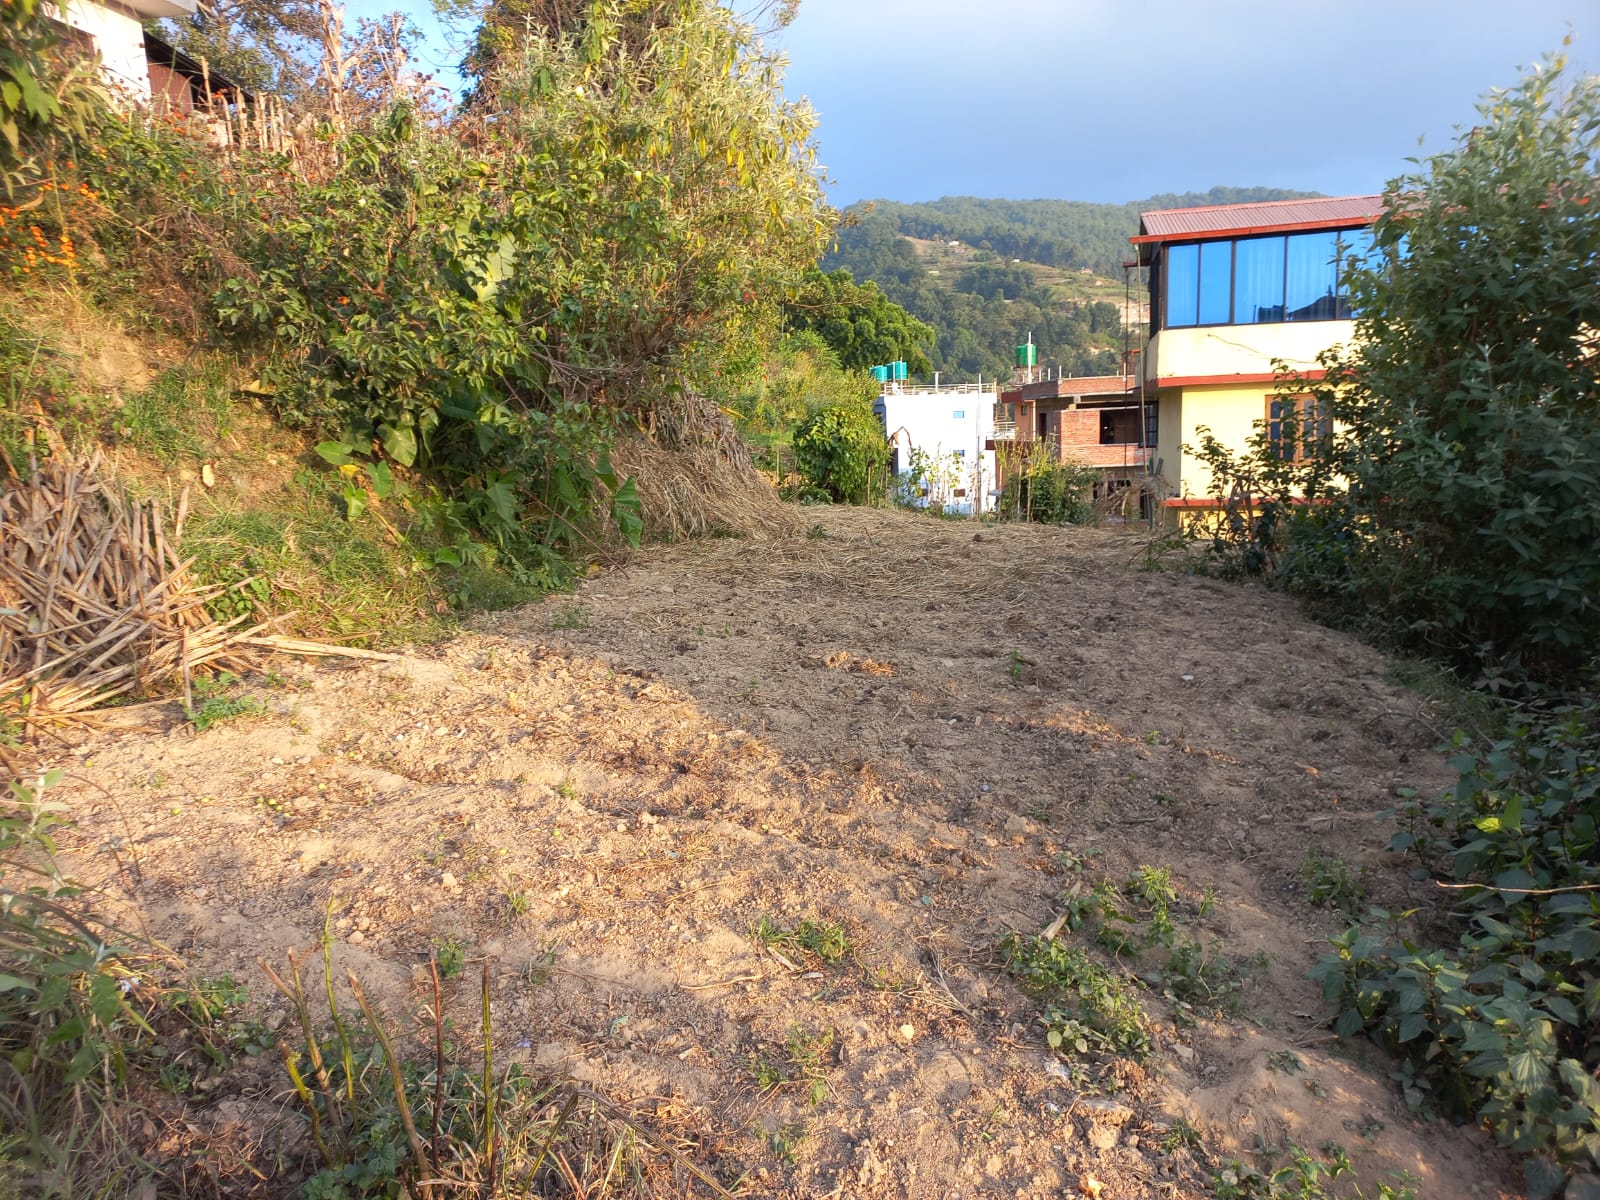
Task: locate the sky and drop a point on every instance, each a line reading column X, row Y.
column 1112, row 100
column 1109, row 100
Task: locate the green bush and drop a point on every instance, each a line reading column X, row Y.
column 842, row 453
column 1051, row 492
column 1505, row 1027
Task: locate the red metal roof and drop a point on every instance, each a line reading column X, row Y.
column 1267, row 216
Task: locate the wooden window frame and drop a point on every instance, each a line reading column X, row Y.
column 1293, row 432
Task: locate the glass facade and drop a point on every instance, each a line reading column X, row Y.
column 1261, row 280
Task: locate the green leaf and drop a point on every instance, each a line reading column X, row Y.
column 1528, row 1070
column 1410, row 1026
column 355, row 503
column 382, row 479
column 335, row 453
column 1544, row 1177
column 399, row 443
column 10, row 983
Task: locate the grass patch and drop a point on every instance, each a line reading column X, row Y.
column 811, row 941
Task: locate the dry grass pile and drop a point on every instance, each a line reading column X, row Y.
column 695, row 491
column 95, row 602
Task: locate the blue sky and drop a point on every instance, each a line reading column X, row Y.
column 1113, row 101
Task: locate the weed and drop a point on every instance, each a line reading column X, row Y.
column 1333, row 883
column 452, row 1129
column 824, row 941
column 1208, row 901
column 567, row 790
column 1285, row 1061
column 571, row 616
column 1086, row 1006
column 1200, row 976
column 536, row 971
column 1015, row 669
column 1182, row 1135
column 817, row 531
column 518, row 904
column 451, row 955
column 217, row 709
column 1304, row 1177
column 67, row 1031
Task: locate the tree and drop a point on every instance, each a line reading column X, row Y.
column 484, row 303
column 264, row 45
column 1469, row 393
column 862, row 325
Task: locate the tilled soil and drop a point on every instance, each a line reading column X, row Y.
column 919, row 731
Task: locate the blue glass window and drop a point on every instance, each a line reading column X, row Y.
column 1258, row 281
column 1312, row 280
column 958, row 414
column 1183, row 284
column 1216, row 282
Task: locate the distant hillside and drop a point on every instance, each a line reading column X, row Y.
column 1056, row 233
column 1065, row 287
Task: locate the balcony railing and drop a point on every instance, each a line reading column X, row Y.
column 1005, row 431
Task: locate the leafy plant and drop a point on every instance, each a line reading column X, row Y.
column 1048, row 490
column 1500, row 1027
column 1086, row 1006
column 822, row 941
column 842, row 453
column 451, row 955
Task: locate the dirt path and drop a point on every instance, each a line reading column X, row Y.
column 919, row 732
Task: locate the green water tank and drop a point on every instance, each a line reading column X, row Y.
column 881, row 374
column 1028, row 356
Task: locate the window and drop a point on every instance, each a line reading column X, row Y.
column 1261, row 280
column 960, row 414
column 961, row 453
column 1298, row 426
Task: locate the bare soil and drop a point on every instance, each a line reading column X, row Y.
column 913, row 728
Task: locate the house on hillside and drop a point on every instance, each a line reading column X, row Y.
column 1099, row 421
column 139, row 67
column 1235, row 289
column 949, row 433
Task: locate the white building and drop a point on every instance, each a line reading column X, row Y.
column 111, row 29
column 948, row 432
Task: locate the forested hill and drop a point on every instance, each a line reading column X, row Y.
column 1057, row 233
column 1065, row 286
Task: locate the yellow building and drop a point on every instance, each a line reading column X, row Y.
column 1234, row 290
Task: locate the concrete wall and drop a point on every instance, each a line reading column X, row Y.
column 1241, row 349
column 925, row 419
column 118, row 40
column 1231, row 413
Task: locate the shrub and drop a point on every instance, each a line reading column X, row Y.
column 1051, row 492
column 1502, row 1027
column 842, row 452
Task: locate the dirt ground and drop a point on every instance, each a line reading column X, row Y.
column 918, row 730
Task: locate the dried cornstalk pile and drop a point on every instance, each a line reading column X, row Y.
column 95, row 602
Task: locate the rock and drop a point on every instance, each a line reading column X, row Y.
column 1105, row 1112
column 448, row 882
column 1103, row 1137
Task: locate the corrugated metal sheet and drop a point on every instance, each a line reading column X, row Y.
column 1217, row 220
